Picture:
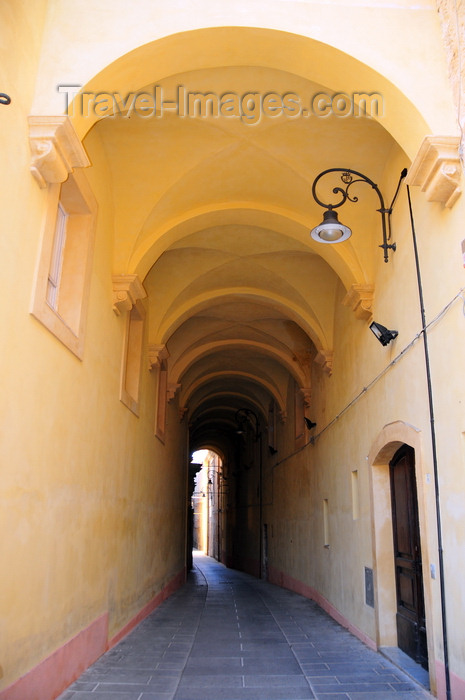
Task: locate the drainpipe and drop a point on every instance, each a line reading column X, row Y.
column 260, row 506
column 434, row 452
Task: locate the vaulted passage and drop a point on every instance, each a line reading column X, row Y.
column 170, row 291
column 254, row 329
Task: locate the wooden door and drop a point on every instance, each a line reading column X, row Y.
column 411, row 628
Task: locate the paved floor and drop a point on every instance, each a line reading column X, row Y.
column 228, row 636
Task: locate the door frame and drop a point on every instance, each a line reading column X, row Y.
column 390, row 439
column 408, row 562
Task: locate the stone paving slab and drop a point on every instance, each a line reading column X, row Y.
column 245, row 694
column 228, row 636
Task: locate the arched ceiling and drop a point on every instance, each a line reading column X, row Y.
column 213, row 213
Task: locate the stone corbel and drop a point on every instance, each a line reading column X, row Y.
column 171, row 390
column 436, row 169
column 360, row 299
column 56, row 149
column 283, row 416
column 182, row 413
column 325, row 360
column 307, row 394
column 127, row 289
column 157, row 353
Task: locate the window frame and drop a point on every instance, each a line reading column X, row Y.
column 66, row 318
column 131, row 366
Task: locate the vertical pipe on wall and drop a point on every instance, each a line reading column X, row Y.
column 434, row 452
column 260, row 507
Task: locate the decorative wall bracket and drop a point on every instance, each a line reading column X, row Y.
column 307, row 394
column 325, row 360
column 157, row 354
column 437, row 170
column 171, row 390
column 360, row 299
column 127, row 289
column 56, row 149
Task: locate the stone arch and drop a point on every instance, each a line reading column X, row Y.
column 236, row 396
column 213, row 446
column 210, row 47
column 195, row 353
column 273, row 391
column 196, row 304
column 292, row 224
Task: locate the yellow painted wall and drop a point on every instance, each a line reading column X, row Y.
column 86, row 488
column 323, row 470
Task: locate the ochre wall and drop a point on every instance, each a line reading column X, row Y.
column 93, row 504
column 87, row 489
column 335, row 575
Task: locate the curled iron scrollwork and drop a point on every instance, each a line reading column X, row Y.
column 348, row 179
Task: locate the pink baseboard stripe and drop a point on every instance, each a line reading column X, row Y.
column 457, row 684
column 170, row 588
column 281, row 579
column 53, row 675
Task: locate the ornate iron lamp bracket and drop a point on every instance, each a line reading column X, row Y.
column 348, row 179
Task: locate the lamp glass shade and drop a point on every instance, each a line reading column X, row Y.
column 384, row 335
column 330, row 230
column 374, row 328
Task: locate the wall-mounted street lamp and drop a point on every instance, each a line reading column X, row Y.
column 331, row 230
column 243, row 417
column 383, row 334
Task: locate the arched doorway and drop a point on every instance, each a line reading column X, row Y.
column 208, row 501
column 403, row 607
